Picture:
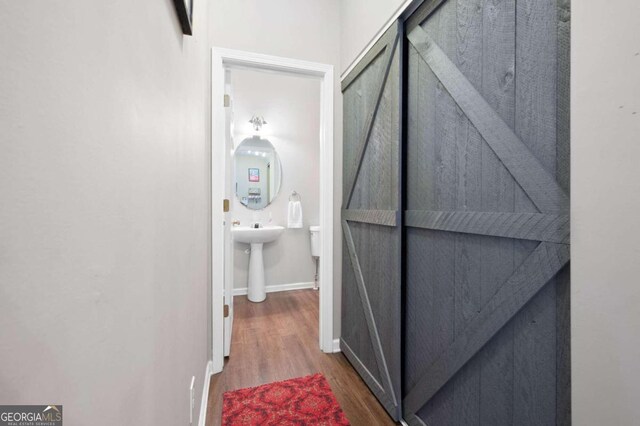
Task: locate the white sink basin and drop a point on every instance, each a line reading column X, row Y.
column 256, row 287
column 266, row 234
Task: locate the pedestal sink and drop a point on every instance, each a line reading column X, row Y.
column 256, row 291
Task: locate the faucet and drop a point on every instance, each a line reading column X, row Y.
column 235, row 223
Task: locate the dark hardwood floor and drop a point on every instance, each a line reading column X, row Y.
column 277, row 340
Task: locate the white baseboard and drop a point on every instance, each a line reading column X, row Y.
column 202, row 420
column 336, row 345
column 276, row 288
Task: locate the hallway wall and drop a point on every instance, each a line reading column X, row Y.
column 360, row 21
column 291, row 107
column 605, row 181
column 104, row 211
column 307, row 30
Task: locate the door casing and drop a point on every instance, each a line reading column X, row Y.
column 222, row 60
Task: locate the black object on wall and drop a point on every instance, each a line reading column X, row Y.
column 485, row 312
column 185, row 15
column 371, row 220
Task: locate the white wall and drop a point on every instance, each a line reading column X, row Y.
column 308, row 30
column 605, row 228
column 104, row 217
column 291, row 107
column 360, row 21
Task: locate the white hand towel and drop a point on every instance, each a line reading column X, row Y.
column 294, row 214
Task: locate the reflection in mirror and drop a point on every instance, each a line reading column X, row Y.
column 258, row 173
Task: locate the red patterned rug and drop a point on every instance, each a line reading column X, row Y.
column 302, row 401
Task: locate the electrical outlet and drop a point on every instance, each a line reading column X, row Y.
column 191, row 399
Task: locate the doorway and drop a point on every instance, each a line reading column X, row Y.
column 224, row 61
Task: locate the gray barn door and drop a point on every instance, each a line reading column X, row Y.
column 371, row 294
column 487, row 237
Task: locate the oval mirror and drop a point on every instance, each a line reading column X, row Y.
column 258, row 172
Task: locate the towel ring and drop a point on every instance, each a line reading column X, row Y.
column 294, row 196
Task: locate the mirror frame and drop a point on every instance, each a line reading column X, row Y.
column 235, row 172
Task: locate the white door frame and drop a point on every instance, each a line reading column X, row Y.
column 223, row 59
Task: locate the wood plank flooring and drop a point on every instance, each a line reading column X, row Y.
column 277, row 340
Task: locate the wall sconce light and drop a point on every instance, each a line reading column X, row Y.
column 258, row 122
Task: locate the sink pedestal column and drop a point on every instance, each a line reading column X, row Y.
column 256, row 291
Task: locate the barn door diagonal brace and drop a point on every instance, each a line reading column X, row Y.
column 539, row 267
column 535, row 180
column 364, row 140
column 368, row 313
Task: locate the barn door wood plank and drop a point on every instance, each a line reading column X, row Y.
column 356, row 331
column 468, row 247
column 362, row 65
column 366, row 306
column 371, row 217
column 421, row 14
column 354, row 170
column 442, row 411
column 535, row 340
column 563, row 301
column 360, row 147
column 370, row 56
column 498, row 89
column 526, row 169
column 376, row 185
column 419, row 195
column 366, row 375
column 541, row 266
column 525, row 226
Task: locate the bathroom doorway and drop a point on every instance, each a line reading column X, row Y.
column 265, row 196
